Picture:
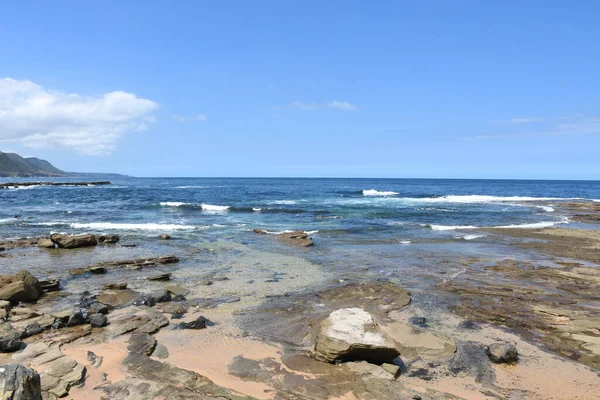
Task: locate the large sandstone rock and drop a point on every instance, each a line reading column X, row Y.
column 73, row 242
column 351, row 334
column 19, row 383
column 19, row 291
column 21, row 287
column 413, row 342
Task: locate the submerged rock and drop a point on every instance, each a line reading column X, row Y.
column 296, row 238
column 351, row 334
column 164, row 236
column 108, row 239
column 19, row 383
column 502, row 353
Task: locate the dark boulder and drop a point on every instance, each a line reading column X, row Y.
column 108, row 239
column 77, row 318
column 198, row 323
column 19, row 383
column 97, row 320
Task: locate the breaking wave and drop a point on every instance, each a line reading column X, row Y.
column 373, row 192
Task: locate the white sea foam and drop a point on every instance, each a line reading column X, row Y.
column 451, row 227
column 546, row 208
column 405, row 242
column 283, row 202
column 532, row 225
column 485, row 199
column 213, row 208
column 470, row 237
column 132, row 227
column 191, row 187
column 24, row 187
column 172, row 203
column 373, row 192
column 6, row 220
column 311, row 232
column 256, row 209
column 535, row 225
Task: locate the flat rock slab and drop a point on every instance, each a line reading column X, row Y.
column 118, row 298
column 58, row 372
column 295, row 318
column 414, row 342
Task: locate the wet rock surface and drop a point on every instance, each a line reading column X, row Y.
column 555, row 304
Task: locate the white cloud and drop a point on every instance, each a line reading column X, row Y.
column 197, row 117
column 334, row 104
column 37, row 117
column 581, row 126
column 523, row 120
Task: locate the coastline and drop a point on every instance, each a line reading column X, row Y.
column 264, row 321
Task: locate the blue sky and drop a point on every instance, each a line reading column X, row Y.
column 461, row 89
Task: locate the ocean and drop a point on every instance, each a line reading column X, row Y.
column 415, row 231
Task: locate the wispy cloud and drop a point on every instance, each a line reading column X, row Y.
column 523, row 120
column 197, row 117
column 36, row 117
column 330, row 105
column 584, row 126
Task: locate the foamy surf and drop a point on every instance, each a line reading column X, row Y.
column 131, row 227
column 533, row 225
column 173, row 204
column 373, row 192
column 214, row 208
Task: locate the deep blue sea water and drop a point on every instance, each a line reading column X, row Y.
column 390, row 209
column 417, row 232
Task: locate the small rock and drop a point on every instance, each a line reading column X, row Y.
column 198, row 323
column 160, row 278
column 129, row 245
column 206, row 282
column 367, row 371
column 58, row 325
column 176, row 289
column 178, row 298
column 502, row 353
column 76, row 318
column 108, row 239
column 417, row 397
column 160, row 351
column 98, row 308
column 260, row 231
column 31, row 330
column 50, row 285
column 97, row 270
column 116, row 286
column 164, row 236
column 392, row 369
column 97, row 320
column 145, row 300
column 10, row 342
column 419, row 321
column 160, row 295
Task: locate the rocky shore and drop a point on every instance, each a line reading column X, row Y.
column 511, row 329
